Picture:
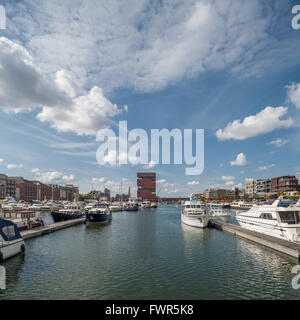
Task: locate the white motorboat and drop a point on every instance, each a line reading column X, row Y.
column 11, row 242
column 146, row 204
column 116, row 207
column 195, row 214
column 273, row 220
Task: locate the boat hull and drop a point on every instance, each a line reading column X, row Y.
column 93, row 219
column 274, row 229
column 200, row 221
column 132, row 209
column 12, row 249
column 60, row 216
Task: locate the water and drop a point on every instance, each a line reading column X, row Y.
column 147, row 255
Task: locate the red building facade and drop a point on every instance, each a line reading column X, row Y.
column 285, row 183
column 146, row 186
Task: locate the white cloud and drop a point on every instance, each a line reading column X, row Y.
column 161, row 181
column 239, row 161
column 52, row 176
column 278, row 142
column 98, row 180
column 262, row 168
column 1, row 160
column 22, row 85
column 265, row 121
column 294, row 94
column 146, row 47
column 86, row 115
column 191, row 183
column 227, row 178
column 229, row 183
column 14, row 166
column 150, row 165
column 68, row 178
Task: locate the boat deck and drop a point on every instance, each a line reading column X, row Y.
column 28, row 234
column 284, row 246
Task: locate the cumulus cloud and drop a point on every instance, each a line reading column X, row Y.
column 229, row 183
column 14, row 166
column 98, row 180
column 239, row 161
column 1, row 160
column 86, row 115
column 191, row 183
column 50, row 177
column 227, row 178
column 294, row 94
column 264, row 121
column 146, row 47
column 22, row 85
column 161, row 181
column 278, row 142
column 263, row 168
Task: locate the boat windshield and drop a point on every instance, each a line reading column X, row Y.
column 290, row 217
column 194, row 206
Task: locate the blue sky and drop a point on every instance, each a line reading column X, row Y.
column 69, row 69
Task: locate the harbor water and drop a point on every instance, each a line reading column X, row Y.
column 147, row 255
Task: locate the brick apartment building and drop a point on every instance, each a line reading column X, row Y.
column 285, row 184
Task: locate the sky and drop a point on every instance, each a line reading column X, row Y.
column 71, row 68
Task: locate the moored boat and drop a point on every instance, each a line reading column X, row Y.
column 273, row 219
column 25, row 220
column 69, row 212
column 99, row 214
column 132, row 206
column 11, row 242
column 116, row 207
column 195, row 214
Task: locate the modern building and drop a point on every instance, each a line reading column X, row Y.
column 298, row 177
column 285, row 184
column 263, row 186
column 251, row 186
column 146, row 186
column 3, row 186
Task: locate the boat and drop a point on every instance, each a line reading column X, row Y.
column 146, row 204
column 195, row 214
column 69, row 212
column 11, row 242
column 132, row 206
column 272, row 219
column 39, row 207
column 25, row 220
column 153, row 204
column 116, row 207
column 99, row 214
column 218, row 214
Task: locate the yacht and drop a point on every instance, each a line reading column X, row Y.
column 153, row 204
column 218, row 213
column 99, row 214
column 25, row 220
column 195, row 214
column 116, row 207
column 132, row 206
column 69, row 212
column 273, row 219
column 39, row 207
column 146, row 204
column 11, row 242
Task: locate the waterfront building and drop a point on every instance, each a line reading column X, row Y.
column 146, row 186
column 298, row 177
column 263, row 186
column 285, row 184
column 251, row 186
column 3, row 185
column 28, row 190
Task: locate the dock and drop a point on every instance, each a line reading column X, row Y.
column 283, row 246
column 33, row 233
